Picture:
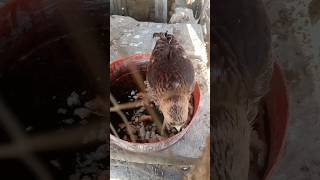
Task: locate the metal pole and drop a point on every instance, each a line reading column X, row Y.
column 160, row 10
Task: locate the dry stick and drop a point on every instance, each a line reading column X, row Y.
column 11, row 124
column 111, row 126
column 114, row 130
column 123, row 117
column 139, row 81
column 51, row 141
column 129, row 105
column 98, row 114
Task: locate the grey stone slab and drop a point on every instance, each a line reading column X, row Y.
column 129, row 36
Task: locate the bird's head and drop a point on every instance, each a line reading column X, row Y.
column 164, row 36
column 175, row 112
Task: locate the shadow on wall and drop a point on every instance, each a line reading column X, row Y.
column 141, row 10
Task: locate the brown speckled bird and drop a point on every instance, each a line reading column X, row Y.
column 171, row 80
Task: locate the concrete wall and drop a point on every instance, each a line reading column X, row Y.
column 142, row 10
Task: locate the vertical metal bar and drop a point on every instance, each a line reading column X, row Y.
column 165, row 10
column 111, row 7
column 160, row 10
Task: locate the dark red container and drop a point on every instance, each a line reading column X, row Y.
column 120, row 67
column 277, row 110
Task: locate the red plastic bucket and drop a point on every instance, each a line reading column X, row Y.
column 121, row 66
column 277, row 110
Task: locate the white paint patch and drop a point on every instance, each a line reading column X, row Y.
column 136, row 36
column 135, row 44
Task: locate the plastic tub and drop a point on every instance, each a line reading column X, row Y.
column 121, row 66
column 277, row 110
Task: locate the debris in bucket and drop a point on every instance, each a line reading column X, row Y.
column 75, row 176
column 143, row 127
column 73, row 100
column 83, row 122
column 82, row 112
column 68, row 121
column 62, row 111
column 90, row 165
column 96, row 104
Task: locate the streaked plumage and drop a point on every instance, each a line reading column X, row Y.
column 171, row 79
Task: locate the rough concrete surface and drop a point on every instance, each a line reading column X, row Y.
column 124, row 170
column 296, row 44
column 128, row 36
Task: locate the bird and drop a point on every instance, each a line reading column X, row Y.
column 242, row 69
column 170, row 79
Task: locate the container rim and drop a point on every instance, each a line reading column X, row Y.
column 173, row 139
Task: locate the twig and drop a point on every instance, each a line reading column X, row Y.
column 114, row 130
column 123, row 117
column 52, row 141
column 139, row 81
column 11, row 124
column 129, row 105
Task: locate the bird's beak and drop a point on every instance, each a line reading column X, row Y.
column 178, row 127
